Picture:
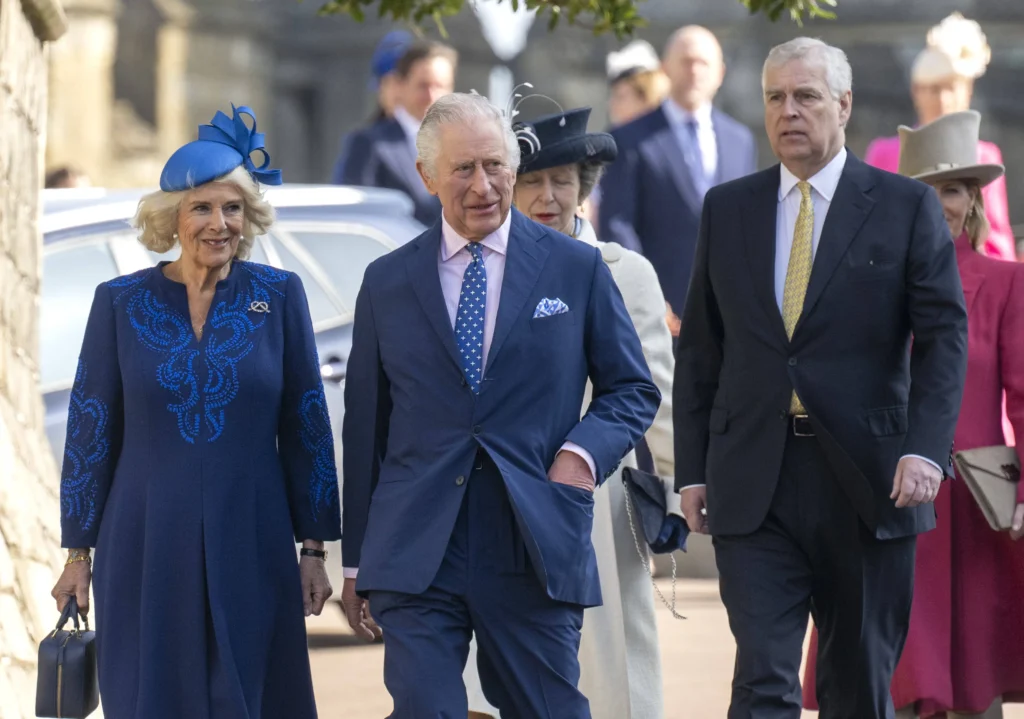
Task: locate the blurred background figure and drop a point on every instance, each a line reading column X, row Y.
column 386, row 155
column 651, row 196
column 385, row 81
column 941, row 82
column 66, row 177
column 636, row 83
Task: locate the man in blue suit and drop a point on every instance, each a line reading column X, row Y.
column 651, row 196
column 469, row 474
column 385, row 156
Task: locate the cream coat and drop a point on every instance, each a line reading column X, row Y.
column 619, row 656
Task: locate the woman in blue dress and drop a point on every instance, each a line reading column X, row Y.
column 198, row 446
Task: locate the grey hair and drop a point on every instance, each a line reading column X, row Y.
column 590, row 173
column 838, row 73
column 462, row 108
column 157, row 215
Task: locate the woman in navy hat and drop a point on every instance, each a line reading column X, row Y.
column 198, row 447
column 619, row 657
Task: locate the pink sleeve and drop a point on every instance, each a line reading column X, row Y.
column 1000, row 243
column 1011, row 360
column 884, row 153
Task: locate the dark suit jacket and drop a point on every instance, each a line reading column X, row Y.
column 648, row 199
column 885, row 268
column 413, row 427
column 382, row 156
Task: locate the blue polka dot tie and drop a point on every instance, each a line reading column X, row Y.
column 469, row 321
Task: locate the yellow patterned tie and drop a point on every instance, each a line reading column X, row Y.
column 798, row 274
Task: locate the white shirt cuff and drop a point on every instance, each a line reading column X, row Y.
column 349, row 572
column 917, row 456
column 578, row 450
column 690, row 486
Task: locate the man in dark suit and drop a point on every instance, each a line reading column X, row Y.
column 820, row 433
column 651, row 196
column 469, row 475
column 385, row 156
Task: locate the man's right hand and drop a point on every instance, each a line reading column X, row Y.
column 357, row 611
column 74, row 582
column 693, row 501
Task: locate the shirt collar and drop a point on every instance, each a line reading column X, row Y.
column 678, row 116
column 409, row 124
column 824, row 182
column 453, row 242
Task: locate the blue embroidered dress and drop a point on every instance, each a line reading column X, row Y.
column 191, row 465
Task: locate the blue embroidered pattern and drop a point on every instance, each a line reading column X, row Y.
column 86, row 447
column 166, row 331
column 317, row 439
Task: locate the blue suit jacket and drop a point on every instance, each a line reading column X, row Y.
column 649, row 202
column 413, row 426
column 381, row 156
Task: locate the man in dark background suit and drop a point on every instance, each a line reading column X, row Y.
column 469, row 475
column 386, row 155
column 820, row 433
column 651, row 196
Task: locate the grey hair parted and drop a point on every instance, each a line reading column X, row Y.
column 462, row 108
column 838, row 73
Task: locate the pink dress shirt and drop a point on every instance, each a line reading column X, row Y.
column 884, row 153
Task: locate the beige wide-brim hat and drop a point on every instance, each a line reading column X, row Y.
column 945, row 149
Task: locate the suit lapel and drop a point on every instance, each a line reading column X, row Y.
column 759, row 234
column 426, row 283
column 850, row 206
column 667, row 147
column 523, row 264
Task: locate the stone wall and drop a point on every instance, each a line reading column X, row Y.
column 29, row 514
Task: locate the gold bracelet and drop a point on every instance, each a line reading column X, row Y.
column 76, row 556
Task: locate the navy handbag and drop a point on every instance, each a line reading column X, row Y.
column 67, row 684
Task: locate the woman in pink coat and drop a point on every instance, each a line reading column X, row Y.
column 966, row 625
column 942, row 81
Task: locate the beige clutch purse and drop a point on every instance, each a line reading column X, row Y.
column 992, row 475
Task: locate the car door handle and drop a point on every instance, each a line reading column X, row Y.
column 333, row 370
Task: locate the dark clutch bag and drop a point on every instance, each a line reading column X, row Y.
column 663, row 532
column 67, row 684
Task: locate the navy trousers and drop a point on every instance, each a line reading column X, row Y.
column 527, row 642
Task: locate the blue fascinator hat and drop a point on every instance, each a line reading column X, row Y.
column 387, row 54
column 223, row 145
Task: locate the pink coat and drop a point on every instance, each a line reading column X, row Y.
column 884, row 153
column 966, row 626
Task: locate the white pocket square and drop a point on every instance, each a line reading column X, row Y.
column 548, row 307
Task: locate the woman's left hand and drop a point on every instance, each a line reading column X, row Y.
column 1017, row 527
column 316, row 587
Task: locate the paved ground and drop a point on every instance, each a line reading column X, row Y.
column 697, row 662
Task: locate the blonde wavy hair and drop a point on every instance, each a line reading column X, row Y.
column 976, row 224
column 157, row 215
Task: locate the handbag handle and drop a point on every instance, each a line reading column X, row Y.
column 1010, row 473
column 71, row 612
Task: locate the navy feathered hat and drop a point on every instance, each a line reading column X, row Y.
column 223, row 145
column 561, row 139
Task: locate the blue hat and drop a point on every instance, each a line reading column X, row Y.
column 389, row 51
column 222, row 146
column 562, row 139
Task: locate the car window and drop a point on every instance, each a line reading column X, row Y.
column 320, row 305
column 257, row 254
column 344, row 256
column 70, row 277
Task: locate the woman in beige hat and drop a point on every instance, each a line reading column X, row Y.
column 942, row 81
column 963, row 653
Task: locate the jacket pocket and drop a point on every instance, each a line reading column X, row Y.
column 887, row 421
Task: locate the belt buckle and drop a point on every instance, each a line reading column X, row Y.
column 798, row 420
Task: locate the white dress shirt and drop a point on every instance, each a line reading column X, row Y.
column 823, row 189
column 453, row 257
column 409, row 124
column 678, row 117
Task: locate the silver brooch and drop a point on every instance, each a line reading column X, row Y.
column 261, row 307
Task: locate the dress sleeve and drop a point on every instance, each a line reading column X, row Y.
column 1011, row 361
column 305, row 441
column 95, row 428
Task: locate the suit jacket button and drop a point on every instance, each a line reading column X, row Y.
column 783, row 415
column 460, row 480
column 792, row 361
column 477, row 430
